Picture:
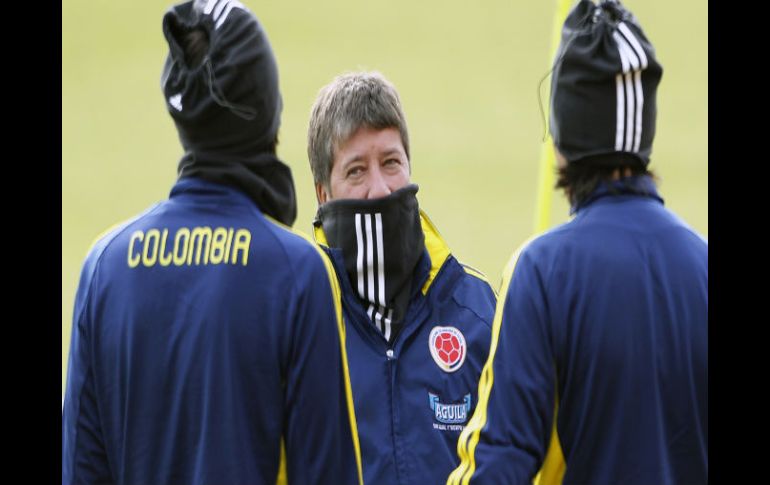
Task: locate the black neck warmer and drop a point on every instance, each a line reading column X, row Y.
column 227, row 109
column 264, row 178
column 381, row 242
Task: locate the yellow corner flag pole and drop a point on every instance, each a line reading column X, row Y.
column 546, row 177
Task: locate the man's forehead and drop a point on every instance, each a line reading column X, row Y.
column 366, row 141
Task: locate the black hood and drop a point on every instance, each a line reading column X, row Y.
column 227, row 109
column 604, row 85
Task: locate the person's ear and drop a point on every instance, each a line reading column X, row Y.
column 321, row 194
column 561, row 162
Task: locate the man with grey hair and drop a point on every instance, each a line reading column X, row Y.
column 417, row 321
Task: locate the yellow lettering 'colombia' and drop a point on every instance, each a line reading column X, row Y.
column 186, row 246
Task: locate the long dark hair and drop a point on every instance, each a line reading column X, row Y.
column 580, row 178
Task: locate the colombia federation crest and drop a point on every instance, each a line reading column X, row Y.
column 447, row 347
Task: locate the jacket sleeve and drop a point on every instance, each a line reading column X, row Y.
column 320, row 432
column 508, row 436
column 84, row 458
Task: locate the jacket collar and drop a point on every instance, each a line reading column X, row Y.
column 640, row 186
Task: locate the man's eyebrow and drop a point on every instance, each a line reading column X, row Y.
column 390, row 151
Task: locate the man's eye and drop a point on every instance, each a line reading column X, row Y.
column 392, row 161
column 354, row 171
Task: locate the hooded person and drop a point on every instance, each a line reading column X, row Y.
column 598, row 371
column 417, row 320
column 206, row 346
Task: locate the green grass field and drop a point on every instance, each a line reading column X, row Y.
column 467, row 73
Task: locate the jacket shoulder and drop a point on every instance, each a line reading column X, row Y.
column 104, row 240
column 472, row 291
column 301, row 251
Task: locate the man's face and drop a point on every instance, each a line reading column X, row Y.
column 368, row 165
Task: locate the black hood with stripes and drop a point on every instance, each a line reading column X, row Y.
column 604, row 84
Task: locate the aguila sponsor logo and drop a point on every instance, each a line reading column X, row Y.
column 450, row 413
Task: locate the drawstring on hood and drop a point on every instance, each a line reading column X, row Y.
column 246, row 112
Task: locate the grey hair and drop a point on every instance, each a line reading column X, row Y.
column 350, row 102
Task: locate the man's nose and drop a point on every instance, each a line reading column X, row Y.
column 378, row 184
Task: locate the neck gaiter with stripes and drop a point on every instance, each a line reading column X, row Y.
column 381, row 242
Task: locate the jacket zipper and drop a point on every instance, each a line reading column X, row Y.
column 390, row 364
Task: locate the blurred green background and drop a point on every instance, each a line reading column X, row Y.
column 467, row 74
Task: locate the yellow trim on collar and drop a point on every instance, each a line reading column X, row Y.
column 437, row 249
column 320, row 236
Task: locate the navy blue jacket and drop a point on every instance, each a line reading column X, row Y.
column 602, row 331
column 409, row 409
column 205, row 335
